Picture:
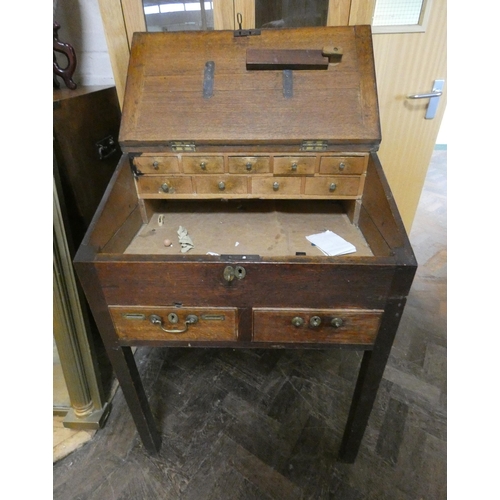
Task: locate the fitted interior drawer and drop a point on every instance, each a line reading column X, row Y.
column 203, row 164
column 249, row 164
column 337, row 186
column 221, row 184
column 338, row 326
column 173, row 323
column 158, row 185
column 292, row 165
column 157, row 164
column 338, row 165
column 276, row 185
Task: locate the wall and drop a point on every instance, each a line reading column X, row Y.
column 81, row 27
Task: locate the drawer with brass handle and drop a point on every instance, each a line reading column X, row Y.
column 158, row 186
column 300, row 165
column 249, row 164
column 338, row 326
column 172, row 323
column 276, row 186
column 221, row 184
column 157, row 164
column 203, row 164
column 343, row 165
column 339, row 186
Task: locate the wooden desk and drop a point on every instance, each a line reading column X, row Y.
column 249, row 186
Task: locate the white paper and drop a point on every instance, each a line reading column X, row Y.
column 331, row 244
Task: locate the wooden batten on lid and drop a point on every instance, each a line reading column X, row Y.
column 294, row 88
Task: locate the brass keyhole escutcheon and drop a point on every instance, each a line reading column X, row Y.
column 173, row 318
column 298, row 321
column 337, row 322
column 315, row 321
column 231, row 272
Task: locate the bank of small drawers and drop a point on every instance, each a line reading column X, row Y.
column 329, row 175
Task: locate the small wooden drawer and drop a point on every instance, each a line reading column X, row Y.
column 221, row 184
column 157, row 164
column 343, row 165
column 276, row 186
column 160, row 185
column 174, row 324
column 300, row 165
column 249, row 164
column 334, row 186
column 332, row 326
column 203, row 164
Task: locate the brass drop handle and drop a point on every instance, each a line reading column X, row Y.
column 276, row 186
column 222, row 185
column 341, row 165
column 191, row 319
column 294, row 166
column 155, row 165
column 165, row 187
column 337, row 322
column 333, row 187
column 203, row 165
column 248, row 166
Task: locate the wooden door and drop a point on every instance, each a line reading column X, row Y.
column 406, row 63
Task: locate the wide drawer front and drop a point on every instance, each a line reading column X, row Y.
column 338, row 326
column 172, row 323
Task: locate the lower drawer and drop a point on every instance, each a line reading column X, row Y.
column 338, row 326
column 172, row 323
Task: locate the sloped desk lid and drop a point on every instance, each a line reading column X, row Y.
column 165, row 101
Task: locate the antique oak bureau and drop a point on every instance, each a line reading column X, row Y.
column 248, row 144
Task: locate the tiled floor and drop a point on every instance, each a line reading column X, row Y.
column 267, row 424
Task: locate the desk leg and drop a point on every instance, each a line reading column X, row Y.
column 369, row 378
column 127, row 374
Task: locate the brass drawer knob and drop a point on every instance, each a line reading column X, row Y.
column 165, row 187
column 294, row 166
column 222, row 185
column 342, row 166
column 276, row 186
column 203, row 165
column 155, row 165
column 248, row 166
column 297, row 321
column 333, row 187
column 315, row 321
column 337, row 322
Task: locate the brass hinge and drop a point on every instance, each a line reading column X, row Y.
column 314, row 145
column 177, row 146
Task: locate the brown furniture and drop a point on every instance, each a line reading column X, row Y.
column 249, row 160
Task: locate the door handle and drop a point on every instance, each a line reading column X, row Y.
column 433, row 96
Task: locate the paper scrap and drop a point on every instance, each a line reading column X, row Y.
column 212, row 253
column 184, row 239
column 331, row 244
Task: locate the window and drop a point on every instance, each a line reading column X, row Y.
column 400, row 16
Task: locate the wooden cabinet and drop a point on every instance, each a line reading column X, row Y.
column 249, row 166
